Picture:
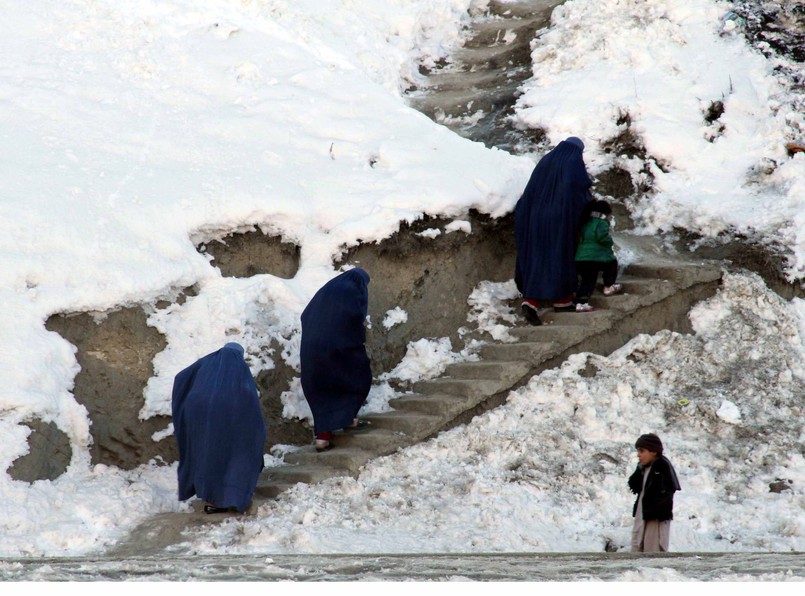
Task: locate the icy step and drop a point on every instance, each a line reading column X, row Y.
column 493, row 32
column 501, row 57
column 458, row 81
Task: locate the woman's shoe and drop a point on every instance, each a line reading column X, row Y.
column 214, row 509
column 584, row 307
column 358, row 425
column 530, row 314
column 323, row 445
column 613, row 289
column 566, row 308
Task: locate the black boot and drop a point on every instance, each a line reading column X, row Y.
column 530, row 314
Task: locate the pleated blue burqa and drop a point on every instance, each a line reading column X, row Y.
column 547, row 223
column 219, row 428
column 336, row 374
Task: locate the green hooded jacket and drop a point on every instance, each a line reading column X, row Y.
column 595, row 243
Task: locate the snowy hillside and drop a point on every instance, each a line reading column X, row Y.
column 133, row 131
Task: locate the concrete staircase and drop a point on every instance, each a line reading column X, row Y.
column 658, row 293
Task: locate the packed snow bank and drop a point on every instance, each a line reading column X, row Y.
column 663, row 69
column 547, row 471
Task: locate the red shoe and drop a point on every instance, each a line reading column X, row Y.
column 323, row 441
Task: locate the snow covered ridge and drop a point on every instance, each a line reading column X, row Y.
column 133, row 131
column 547, row 471
column 666, row 64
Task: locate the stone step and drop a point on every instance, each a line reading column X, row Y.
column 494, row 58
column 270, row 490
column 340, row 461
column 455, row 81
column 561, row 335
column 623, row 302
column 533, row 352
column 498, row 371
column 415, row 425
column 491, row 32
column 295, row 473
column 651, row 290
column 473, row 389
column 637, row 285
column 377, row 440
column 443, row 405
column 600, row 320
column 684, row 275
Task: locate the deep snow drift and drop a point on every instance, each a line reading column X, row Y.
column 133, row 131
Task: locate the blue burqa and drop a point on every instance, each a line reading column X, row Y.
column 336, row 375
column 220, row 429
column 547, row 222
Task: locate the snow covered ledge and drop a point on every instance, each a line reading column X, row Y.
column 427, row 270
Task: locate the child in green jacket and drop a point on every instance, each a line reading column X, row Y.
column 594, row 254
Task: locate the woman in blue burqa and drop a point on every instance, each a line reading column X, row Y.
column 547, row 219
column 220, row 430
column 336, row 375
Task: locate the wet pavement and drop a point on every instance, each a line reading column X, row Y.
column 562, row 567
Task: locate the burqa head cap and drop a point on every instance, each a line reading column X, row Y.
column 576, row 141
column 234, row 346
column 651, row 442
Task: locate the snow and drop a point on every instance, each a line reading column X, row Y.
column 729, row 412
column 395, row 316
column 547, row 471
column 663, row 69
column 131, row 132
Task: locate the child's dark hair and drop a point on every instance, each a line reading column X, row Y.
column 595, row 206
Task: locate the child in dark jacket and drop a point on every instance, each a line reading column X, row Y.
column 594, row 254
column 654, row 482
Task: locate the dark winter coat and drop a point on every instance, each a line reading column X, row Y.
column 219, row 429
column 595, row 242
column 661, row 484
column 546, row 224
column 335, row 370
